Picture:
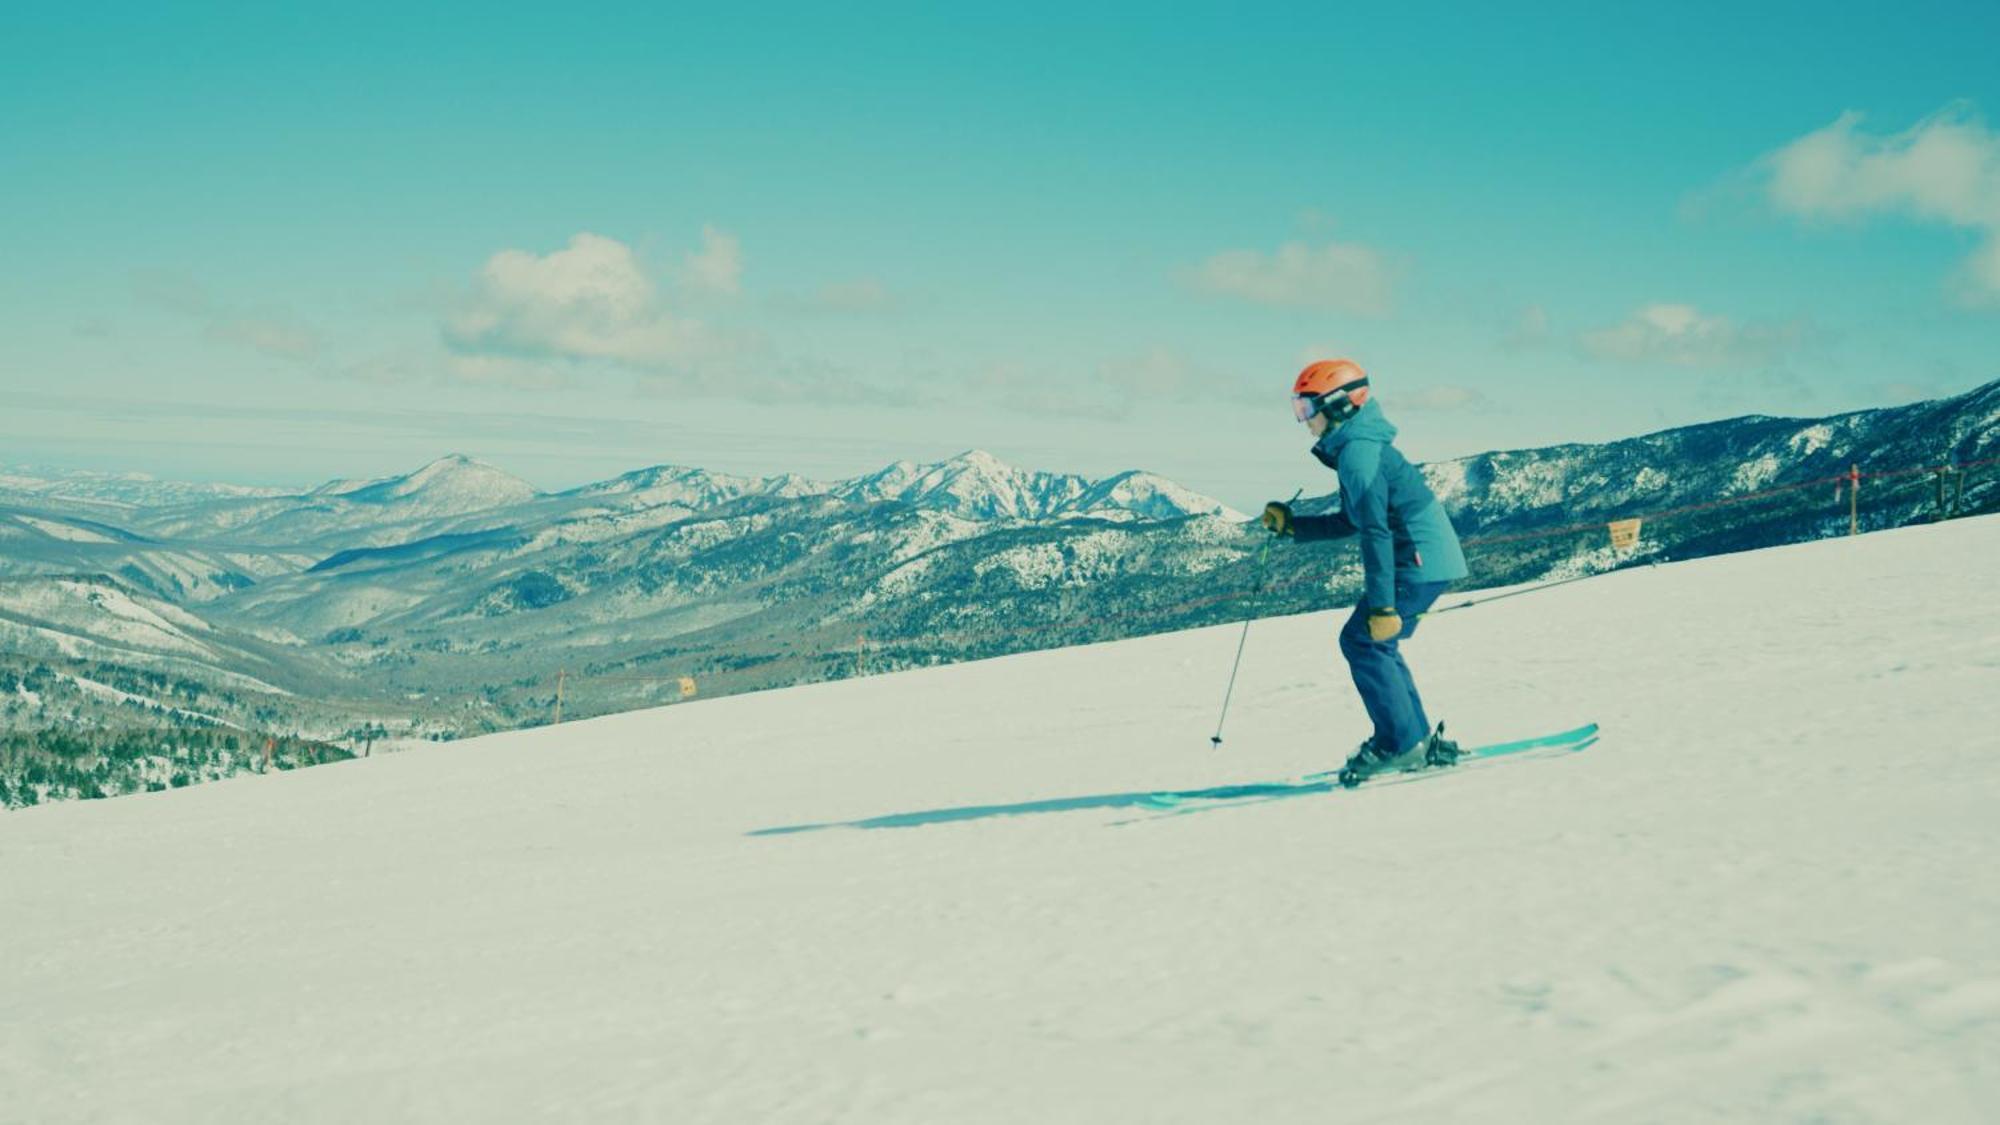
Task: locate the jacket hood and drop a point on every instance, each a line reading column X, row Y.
column 1368, row 424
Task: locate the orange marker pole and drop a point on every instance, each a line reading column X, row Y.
column 1854, row 499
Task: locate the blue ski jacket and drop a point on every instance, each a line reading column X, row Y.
column 1385, row 501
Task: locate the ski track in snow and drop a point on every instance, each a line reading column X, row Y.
column 1766, row 895
column 118, row 695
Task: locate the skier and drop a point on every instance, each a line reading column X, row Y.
column 1409, row 554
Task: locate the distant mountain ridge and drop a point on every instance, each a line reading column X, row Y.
column 977, row 485
column 447, row 486
column 1515, row 490
column 459, row 581
column 454, row 493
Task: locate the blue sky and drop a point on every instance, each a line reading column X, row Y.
column 281, row 247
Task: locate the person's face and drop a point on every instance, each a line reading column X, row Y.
column 1318, row 425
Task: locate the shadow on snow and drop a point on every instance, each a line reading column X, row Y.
column 1149, row 799
column 1563, row 743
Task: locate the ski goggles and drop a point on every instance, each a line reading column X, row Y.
column 1336, row 404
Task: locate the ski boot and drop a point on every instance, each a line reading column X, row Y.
column 1439, row 750
column 1369, row 761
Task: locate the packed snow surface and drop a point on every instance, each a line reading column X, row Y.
column 1767, row 895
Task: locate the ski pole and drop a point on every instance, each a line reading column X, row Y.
column 1215, row 740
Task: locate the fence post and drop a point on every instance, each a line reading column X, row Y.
column 561, row 675
column 1854, row 499
column 1950, row 488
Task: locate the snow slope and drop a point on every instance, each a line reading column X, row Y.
column 1767, row 895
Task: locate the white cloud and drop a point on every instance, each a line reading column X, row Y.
column 1945, row 168
column 588, row 301
column 271, row 331
column 415, row 366
column 1011, row 386
column 718, row 266
column 270, row 334
column 1157, row 373
column 1161, row 374
column 1338, row 277
column 1684, row 336
column 1980, row 278
column 381, row 371
column 505, row 371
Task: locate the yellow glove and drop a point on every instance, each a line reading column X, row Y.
column 1278, row 517
column 1384, row 625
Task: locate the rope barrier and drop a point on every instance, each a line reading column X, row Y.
column 988, row 636
column 1959, row 467
column 1665, row 513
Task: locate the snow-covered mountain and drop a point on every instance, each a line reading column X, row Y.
column 943, row 895
column 120, row 491
column 459, row 581
column 462, row 511
column 458, row 495
column 449, row 486
column 695, row 489
column 94, row 618
column 977, row 485
column 1137, row 495
column 460, row 574
column 1515, row 490
column 447, row 494
column 51, row 542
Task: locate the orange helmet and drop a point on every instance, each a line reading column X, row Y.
column 1334, row 387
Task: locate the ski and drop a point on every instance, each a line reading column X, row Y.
column 1499, row 749
column 1574, row 740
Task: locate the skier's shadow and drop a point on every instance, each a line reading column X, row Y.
column 1216, row 797
column 1146, row 799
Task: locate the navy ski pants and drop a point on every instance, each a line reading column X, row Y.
column 1380, row 675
